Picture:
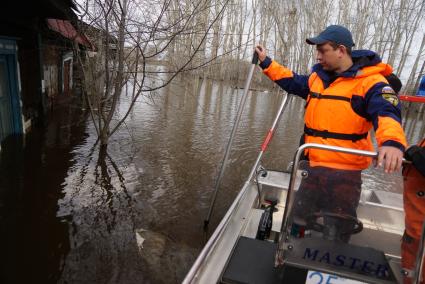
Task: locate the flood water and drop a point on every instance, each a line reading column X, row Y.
column 71, row 215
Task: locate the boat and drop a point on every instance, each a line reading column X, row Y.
column 259, row 239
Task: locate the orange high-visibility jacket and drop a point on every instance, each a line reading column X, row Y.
column 414, row 198
column 342, row 108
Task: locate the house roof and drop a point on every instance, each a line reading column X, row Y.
column 66, row 29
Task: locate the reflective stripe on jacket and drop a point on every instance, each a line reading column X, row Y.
column 345, row 106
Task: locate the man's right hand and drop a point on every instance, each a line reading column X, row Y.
column 261, row 51
column 390, row 158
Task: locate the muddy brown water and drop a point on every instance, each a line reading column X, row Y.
column 71, row 215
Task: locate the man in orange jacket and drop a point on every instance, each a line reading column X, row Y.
column 346, row 95
column 414, row 207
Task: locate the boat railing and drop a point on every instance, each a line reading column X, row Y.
column 220, row 228
column 284, row 236
column 191, row 275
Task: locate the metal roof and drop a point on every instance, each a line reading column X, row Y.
column 66, row 29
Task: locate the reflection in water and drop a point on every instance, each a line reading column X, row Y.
column 135, row 214
column 98, row 201
column 33, row 241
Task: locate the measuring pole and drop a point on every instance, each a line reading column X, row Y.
column 232, row 136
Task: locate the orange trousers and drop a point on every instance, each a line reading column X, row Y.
column 409, row 250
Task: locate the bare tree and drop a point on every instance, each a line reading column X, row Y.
column 130, row 40
column 143, row 49
column 413, row 80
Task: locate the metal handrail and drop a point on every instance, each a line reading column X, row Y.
column 191, row 275
column 288, row 204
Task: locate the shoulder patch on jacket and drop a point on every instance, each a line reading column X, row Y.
column 391, row 98
column 387, row 90
column 389, row 95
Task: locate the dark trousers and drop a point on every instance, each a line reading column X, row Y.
column 326, row 190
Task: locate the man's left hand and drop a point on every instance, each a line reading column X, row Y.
column 390, row 158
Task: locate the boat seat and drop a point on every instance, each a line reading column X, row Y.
column 275, row 179
column 378, row 197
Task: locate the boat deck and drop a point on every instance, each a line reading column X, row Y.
column 252, row 261
column 381, row 213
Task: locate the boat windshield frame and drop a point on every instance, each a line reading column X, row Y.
column 285, row 232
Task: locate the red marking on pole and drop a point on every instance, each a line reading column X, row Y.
column 267, row 140
column 415, row 99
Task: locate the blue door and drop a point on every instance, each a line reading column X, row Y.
column 6, row 115
column 10, row 106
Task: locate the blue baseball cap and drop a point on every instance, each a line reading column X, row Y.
column 335, row 33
